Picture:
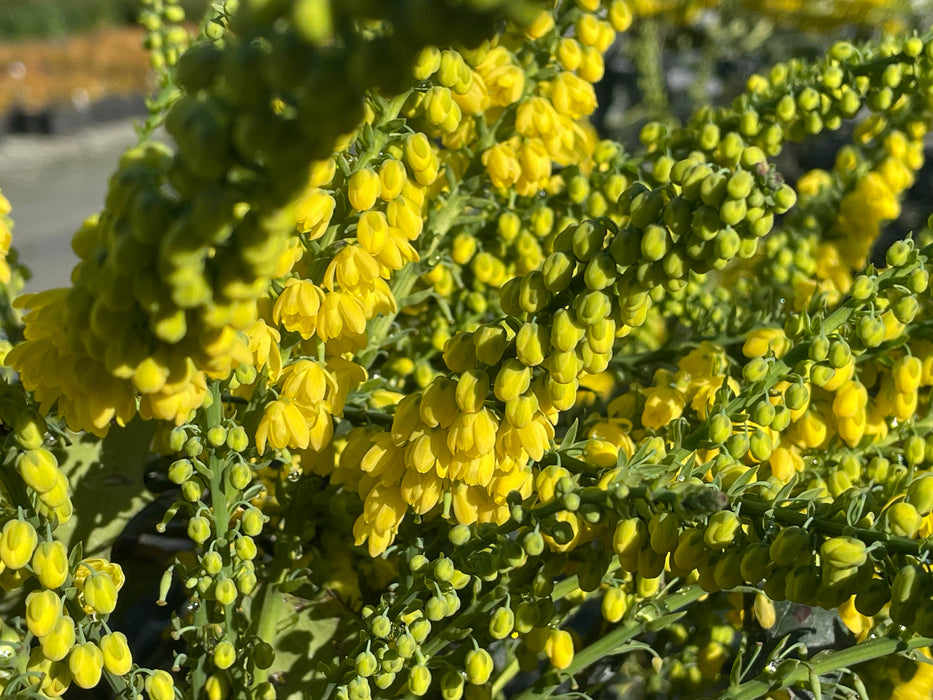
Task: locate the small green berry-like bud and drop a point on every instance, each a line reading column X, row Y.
column 419, row 680
column 381, row 626
column 722, row 529
column 199, row 529
column 180, row 471
column 843, row 552
column 501, row 623
column 224, row 654
column 788, row 545
column 225, row 591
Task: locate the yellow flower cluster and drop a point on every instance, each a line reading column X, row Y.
column 6, row 238
column 874, row 198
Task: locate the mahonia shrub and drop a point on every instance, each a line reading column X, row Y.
column 442, row 394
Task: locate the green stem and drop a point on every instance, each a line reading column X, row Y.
column 902, row 545
column 508, row 673
column 823, row 664
column 270, row 605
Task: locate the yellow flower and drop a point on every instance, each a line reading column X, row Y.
column 762, row 340
column 264, row 346
column 340, row 314
column 536, row 117
column 283, row 424
column 662, row 405
column 504, row 80
column 404, row 214
column 572, row 96
column 298, row 306
column 352, row 267
column 307, row 382
column 502, row 165
column 383, row 511
column 314, row 212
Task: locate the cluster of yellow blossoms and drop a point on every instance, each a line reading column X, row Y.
column 544, row 458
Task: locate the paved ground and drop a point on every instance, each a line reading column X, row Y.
column 53, row 183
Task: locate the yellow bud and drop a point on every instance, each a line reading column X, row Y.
column 100, row 593
column 490, row 342
column 160, row 686
column 541, row 25
column 419, row 680
column 843, row 552
column 50, row 564
column 426, row 63
column 224, row 654
column 722, row 529
column 764, row 611
column 393, row 177
column 559, row 648
column 620, row 15
column 513, row 380
column 472, row 390
column 29, row 429
column 851, row 399
column 630, row 536
column 86, row 663
column 57, row 680
column 460, row 353
column 532, row 344
column 225, row 591
column 116, row 652
column 43, row 608
column 60, row 639
column 17, row 543
column 902, row 519
column 363, row 189
column 479, row 666
column 907, row 372
column 569, row 53
column 39, row 469
column 920, row 494
column 615, row 604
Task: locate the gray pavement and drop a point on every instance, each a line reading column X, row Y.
column 54, row 183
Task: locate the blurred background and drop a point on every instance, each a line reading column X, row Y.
column 74, row 77
column 73, row 81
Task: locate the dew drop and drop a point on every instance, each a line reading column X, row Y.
column 294, row 475
column 193, row 605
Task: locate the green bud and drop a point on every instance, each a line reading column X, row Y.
column 722, row 530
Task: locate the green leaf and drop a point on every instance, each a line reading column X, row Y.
column 106, row 480
column 305, row 641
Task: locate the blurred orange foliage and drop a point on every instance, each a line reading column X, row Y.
column 40, row 72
